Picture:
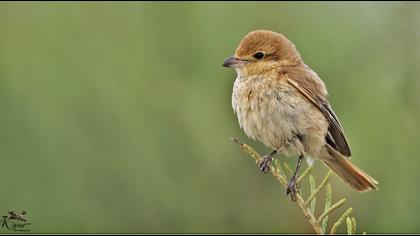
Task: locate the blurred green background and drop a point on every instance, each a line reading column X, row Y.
column 116, row 117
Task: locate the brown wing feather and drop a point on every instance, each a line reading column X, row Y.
column 335, row 136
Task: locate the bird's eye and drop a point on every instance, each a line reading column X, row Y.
column 259, row 55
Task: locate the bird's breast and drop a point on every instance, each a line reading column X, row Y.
column 273, row 112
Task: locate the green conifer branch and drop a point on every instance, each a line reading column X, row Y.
column 304, row 174
column 319, row 188
column 341, row 220
column 313, row 189
column 328, row 193
column 351, row 225
column 331, row 209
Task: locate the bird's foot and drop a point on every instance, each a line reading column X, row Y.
column 265, row 163
column 292, row 188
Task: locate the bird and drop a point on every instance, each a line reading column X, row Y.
column 281, row 102
column 17, row 216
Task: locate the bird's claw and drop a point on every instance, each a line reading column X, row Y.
column 265, row 163
column 292, row 188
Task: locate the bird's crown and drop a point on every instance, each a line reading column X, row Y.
column 267, row 44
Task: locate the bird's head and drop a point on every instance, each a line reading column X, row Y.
column 261, row 52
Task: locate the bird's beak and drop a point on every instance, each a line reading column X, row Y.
column 233, row 62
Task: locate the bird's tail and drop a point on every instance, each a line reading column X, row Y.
column 348, row 172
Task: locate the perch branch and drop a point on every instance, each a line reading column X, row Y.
column 283, row 181
column 320, row 224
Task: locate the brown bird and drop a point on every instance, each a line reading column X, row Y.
column 282, row 103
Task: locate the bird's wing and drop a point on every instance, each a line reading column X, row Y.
column 335, row 136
